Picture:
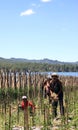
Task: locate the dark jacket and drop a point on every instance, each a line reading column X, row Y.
column 56, row 87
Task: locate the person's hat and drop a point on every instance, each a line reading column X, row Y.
column 54, row 74
column 24, row 97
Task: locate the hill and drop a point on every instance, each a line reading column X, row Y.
column 22, row 60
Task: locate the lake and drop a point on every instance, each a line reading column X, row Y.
column 75, row 74
column 68, row 73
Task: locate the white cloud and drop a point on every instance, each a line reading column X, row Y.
column 46, row 0
column 27, row 12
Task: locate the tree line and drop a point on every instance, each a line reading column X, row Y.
column 39, row 67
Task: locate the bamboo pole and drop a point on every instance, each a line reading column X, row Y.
column 26, row 125
column 9, row 117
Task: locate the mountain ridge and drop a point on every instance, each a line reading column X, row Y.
column 45, row 60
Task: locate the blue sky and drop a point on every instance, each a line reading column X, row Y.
column 38, row 29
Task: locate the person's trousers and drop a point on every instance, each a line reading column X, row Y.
column 54, row 107
column 61, row 106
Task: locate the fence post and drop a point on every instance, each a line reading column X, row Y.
column 9, row 117
column 26, row 126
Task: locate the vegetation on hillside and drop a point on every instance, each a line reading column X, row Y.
column 39, row 67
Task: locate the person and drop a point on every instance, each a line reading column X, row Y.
column 46, row 89
column 25, row 103
column 57, row 94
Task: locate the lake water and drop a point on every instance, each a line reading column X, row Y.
column 68, row 73
column 75, row 74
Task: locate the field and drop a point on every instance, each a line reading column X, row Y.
column 13, row 87
column 11, row 115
